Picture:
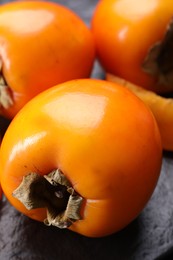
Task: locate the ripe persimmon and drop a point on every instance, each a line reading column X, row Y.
column 83, row 155
column 134, row 41
column 41, row 44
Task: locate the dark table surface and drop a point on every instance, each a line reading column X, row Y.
column 148, row 237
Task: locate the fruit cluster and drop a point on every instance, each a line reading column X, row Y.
column 84, row 153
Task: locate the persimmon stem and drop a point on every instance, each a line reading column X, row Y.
column 159, row 60
column 53, row 192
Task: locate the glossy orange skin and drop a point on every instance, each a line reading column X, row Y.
column 101, row 136
column 41, row 44
column 124, row 31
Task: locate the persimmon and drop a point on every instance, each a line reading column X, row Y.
column 41, row 44
column 161, row 107
column 84, row 155
column 134, row 41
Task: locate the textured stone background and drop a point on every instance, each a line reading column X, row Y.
column 149, row 237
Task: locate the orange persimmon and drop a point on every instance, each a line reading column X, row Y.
column 89, row 154
column 41, row 44
column 134, row 41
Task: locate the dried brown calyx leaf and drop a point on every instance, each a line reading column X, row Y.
column 159, row 60
column 6, row 99
column 53, row 192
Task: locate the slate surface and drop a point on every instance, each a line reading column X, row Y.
column 149, row 237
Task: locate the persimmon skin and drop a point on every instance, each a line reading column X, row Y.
column 41, row 44
column 124, row 32
column 101, row 136
column 162, row 109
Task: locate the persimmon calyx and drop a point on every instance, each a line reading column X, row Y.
column 159, row 60
column 53, row 192
column 6, row 99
